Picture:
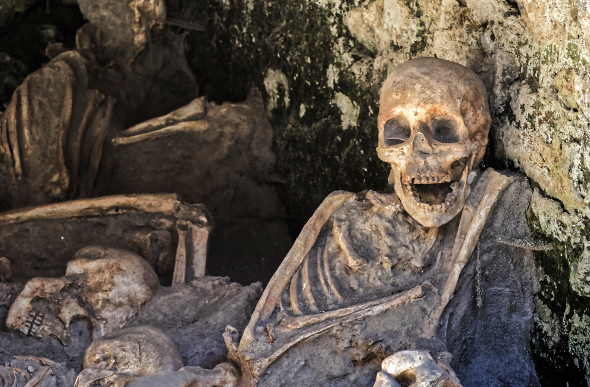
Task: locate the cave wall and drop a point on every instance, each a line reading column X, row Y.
column 320, row 64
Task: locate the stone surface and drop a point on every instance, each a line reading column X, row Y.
column 195, row 316
column 321, row 73
column 9, row 7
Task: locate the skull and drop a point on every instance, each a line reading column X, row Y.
column 112, row 284
column 433, row 127
column 127, row 354
column 46, row 307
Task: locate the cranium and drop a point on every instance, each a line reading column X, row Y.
column 112, row 284
column 433, row 126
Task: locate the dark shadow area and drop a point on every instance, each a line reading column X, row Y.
column 24, row 39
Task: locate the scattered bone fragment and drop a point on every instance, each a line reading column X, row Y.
column 31, row 371
column 194, row 111
column 191, row 253
column 179, row 276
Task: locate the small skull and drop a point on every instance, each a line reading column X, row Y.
column 128, row 354
column 112, row 284
column 433, row 127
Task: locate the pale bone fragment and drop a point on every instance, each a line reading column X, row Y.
column 292, row 262
column 38, row 377
column 415, row 368
column 470, row 228
column 114, row 283
column 167, row 204
column 259, row 365
column 182, row 127
column 179, row 276
column 342, row 235
column 326, row 265
column 198, row 256
column 128, row 354
column 24, row 373
column 433, row 128
column 294, row 296
column 191, row 253
column 194, row 111
column 189, row 118
column 148, row 15
column 307, row 287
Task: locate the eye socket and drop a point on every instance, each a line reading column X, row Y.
column 445, row 130
column 396, row 131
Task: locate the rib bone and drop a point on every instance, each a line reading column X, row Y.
column 357, row 312
column 300, row 250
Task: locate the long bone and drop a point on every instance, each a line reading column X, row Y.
column 289, row 323
column 167, row 204
column 341, row 233
column 471, row 225
column 186, row 119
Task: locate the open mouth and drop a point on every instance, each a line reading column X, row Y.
column 437, row 195
column 437, row 192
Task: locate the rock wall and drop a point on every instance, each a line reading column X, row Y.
column 321, row 64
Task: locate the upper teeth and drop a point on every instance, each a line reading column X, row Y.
column 410, row 186
column 428, row 179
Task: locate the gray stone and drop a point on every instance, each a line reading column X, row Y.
column 195, row 316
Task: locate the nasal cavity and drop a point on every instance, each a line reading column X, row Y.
column 421, row 143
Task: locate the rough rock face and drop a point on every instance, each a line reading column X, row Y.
column 195, row 316
column 321, row 73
